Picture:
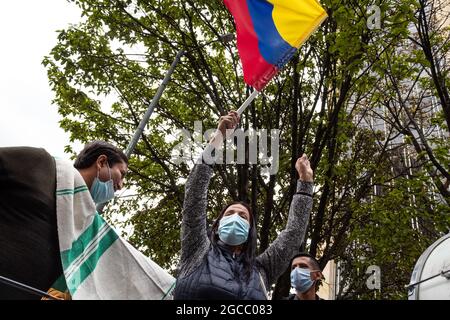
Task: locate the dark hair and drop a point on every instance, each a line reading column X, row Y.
column 94, row 149
column 311, row 258
column 314, row 262
column 249, row 247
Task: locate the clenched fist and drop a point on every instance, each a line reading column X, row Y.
column 228, row 122
column 304, row 169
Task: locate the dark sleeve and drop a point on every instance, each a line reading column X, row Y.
column 28, row 231
column 275, row 259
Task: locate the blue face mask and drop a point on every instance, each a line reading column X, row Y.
column 301, row 279
column 233, row 230
column 102, row 191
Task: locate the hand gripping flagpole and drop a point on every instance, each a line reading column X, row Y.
column 214, row 144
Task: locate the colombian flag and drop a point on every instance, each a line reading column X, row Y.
column 269, row 32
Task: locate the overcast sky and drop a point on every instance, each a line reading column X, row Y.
column 27, row 34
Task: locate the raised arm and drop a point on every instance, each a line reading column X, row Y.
column 194, row 238
column 275, row 259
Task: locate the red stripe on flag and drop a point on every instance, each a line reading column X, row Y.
column 257, row 71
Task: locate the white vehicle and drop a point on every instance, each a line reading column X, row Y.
column 430, row 279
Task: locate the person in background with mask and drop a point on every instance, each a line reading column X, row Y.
column 305, row 277
column 225, row 266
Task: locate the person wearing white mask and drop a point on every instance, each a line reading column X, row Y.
column 28, row 210
column 224, row 265
column 306, row 276
column 103, row 168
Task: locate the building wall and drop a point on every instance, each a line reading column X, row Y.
column 327, row 290
column 445, row 13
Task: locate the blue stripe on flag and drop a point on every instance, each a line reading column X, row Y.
column 272, row 46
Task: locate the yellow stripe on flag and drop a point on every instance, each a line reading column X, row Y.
column 296, row 20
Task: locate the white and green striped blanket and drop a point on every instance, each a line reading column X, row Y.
column 97, row 262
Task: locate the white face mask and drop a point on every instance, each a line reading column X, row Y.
column 233, row 230
column 102, row 191
column 301, row 279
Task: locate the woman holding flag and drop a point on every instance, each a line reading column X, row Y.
column 225, row 265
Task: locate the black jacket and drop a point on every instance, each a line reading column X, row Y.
column 293, row 296
column 28, row 233
column 220, row 277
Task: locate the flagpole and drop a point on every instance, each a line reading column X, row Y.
column 247, row 102
column 24, row 287
column 214, row 143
